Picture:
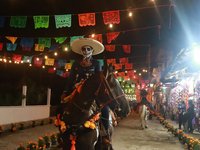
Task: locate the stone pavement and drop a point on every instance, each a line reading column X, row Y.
column 127, row 136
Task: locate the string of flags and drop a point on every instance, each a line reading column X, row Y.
column 61, row 21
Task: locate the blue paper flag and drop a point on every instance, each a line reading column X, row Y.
column 54, row 47
column 74, row 38
column 102, row 62
column 11, row 47
column 27, row 59
column 2, row 21
column 59, row 72
column 28, row 42
column 62, row 62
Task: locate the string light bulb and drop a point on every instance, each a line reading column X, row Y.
column 45, row 57
column 146, row 70
column 93, row 35
column 125, row 71
column 111, row 25
column 116, row 72
column 15, row 62
column 134, row 70
column 43, row 66
column 139, row 74
column 134, row 76
column 28, row 60
column 22, row 61
column 66, row 69
column 55, row 53
column 0, row 59
column 10, row 61
column 130, row 14
column 5, row 60
column 54, row 68
column 66, row 49
column 37, row 59
column 30, row 65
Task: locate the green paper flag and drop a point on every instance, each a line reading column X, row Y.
column 72, row 61
column 45, row 41
column 18, row 21
column 66, row 47
column 60, row 40
column 74, row 38
column 101, row 60
column 132, row 85
column 41, row 21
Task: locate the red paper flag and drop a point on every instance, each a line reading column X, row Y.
column 118, row 66
column 128, row 66
column 111, row 17
column 1, row 46
column 65, row 74
column 131, row 72
column 126, row 78
column 38, row 62
column 25, row 48
column 138, row 86
column 51, row 70
column 141, row 81
column 146, row 81
column 86, row 19
column 123, row 60
column 143, row 85
column 111, row 36
column 113, row 61
column 110, row 48
column 17, row 57
column 135, row 76
column 121, row 74
column 127, row 48
column 97, row 37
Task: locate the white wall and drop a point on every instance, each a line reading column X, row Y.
column 14, row 114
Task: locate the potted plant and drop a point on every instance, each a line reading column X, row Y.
column 50, row 120
column 21, row 147
column 46, row 140
column 32, row 146
column 180, row 135
column 13, row 128
column 195, row 144
column 42, row 122
column 1, row 128
column 21, row 126
column 41, row 144
column 53, row 138
column 33, row 123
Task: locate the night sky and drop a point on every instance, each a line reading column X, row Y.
column 184, row 30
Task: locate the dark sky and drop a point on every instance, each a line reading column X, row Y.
column 185, row 20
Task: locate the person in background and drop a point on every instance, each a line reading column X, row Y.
column 190, row 114
column 182, row 109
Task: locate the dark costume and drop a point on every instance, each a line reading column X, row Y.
column 145, row 102
column 182, row 109
column 80, row 71
column 190, row 115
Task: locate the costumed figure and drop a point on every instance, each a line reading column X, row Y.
column 82, row 69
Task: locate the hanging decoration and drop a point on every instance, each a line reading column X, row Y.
column 38, row 62
column 49, row 62
column 141, row 81
column 113, row 61
column 27, row 42
column 128, row 66
column 110, row 17
column 65, row 74
column 17, row 57
column 97, row 37
column 146, row 81
column 111, row 36
column 59, row 72
column 56, row 65
column 72, row 61
column 131, row 72
column 63, row 21
column 12, row 39
column 126, row 78
column 62, row 62
column 118, row 66
column 27, row 59
column 41, row 21
column 60, row 40
column 18, row 21
column 45, row 41
column 68, row 66
column 2, row 21
column 39, row 47
column 110, row 48
column 25, row 48
column 1, row 46
column 51, row 70
column 11, row 47
column 86, row 19
column 102, row 61
column 121, row 74
column 74, row 38
column 127, row 48
column 54, row 47
column 123, row 61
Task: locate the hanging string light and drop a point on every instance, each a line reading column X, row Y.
column 5, row 60
column 55, row 53
column 22, row 61
column 134, row 70
column 10, row 61
column 66, row 49
column 0, row 59
column 43, row 66
column 66, row 69
column 111, row 25
column 45, row 57
column 130, row 14
column 54, row 68
column 37, row 59
column 93, row 35
column 30, row 65
column 28, row 60
column 139, row 74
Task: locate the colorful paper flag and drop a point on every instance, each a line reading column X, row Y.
column 68, row 66
column 39, row 48
column 49, row 62
column 97, row 37
column 74, row 38
column 86, row 19
column 118, row 66
column 56, row 65
column 59, row 72
column 18, row 21
column 17, row 57
column 25, row 48
column 54, row 47
column 45, row 41
column 27, row 42
column 72, row 61
column 102, row 61
column 38, row 61
column 60, row 40
column 121, row 74
column 113, row 61
column 110, row 17
column 51, row 70
column 131, row 72
column 128, row 66
column 12, row 39
column 110, row 48
column 65, row 74
column 41, row 21
column 63, row 21
column 27, row 59
column 11, row 47
column 123, row 61
column 127, row 48
column 1, row 46
column 111, row 36
column 2, row 21
column 62, row 62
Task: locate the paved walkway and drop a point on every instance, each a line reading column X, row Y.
column 127, row 136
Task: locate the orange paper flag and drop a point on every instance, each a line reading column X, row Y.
column 12, row 39
column 86, row 19
column 110, row 48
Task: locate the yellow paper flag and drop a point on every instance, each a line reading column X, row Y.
column 12, row 39
column 49, row 62
column 39, row 47
column 68, row 66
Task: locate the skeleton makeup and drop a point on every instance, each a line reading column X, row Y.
column 87, row 51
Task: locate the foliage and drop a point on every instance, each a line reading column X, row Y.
column 1, row 128
column 32, row 146
column 53, row 137
column 33, row 123
column 21, row 147
column 50, row 120
column 13, row 126
column 46, row 138
column 41, row 144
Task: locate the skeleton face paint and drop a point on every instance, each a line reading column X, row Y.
column 87, row 51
